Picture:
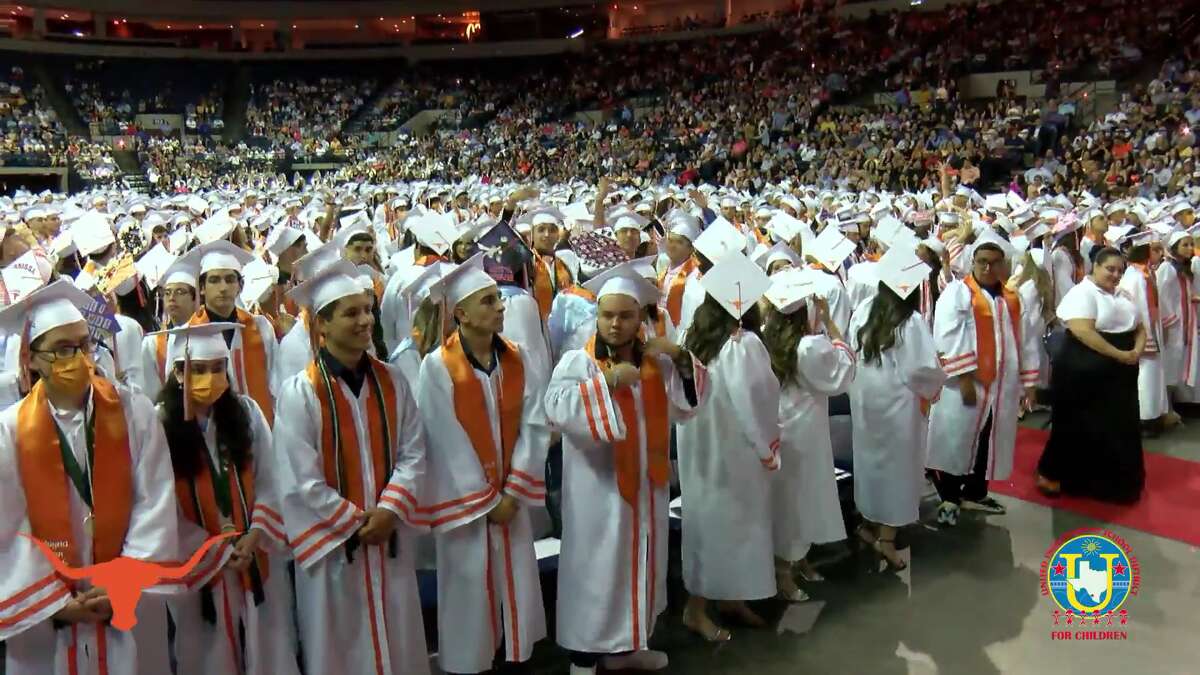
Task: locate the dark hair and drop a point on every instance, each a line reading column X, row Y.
column 1139, row 253
column 1100, row 255
column 712, row 326
column 326, row 313
column 185, row 440
column 882, row 328
column 1183, row 267
column 987, row 246
column 204, row 278
column 361, row 236
column 781, row 334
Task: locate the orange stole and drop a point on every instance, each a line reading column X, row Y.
column 251, row 366
column 160, row 356
column 339, row 440
column 470, row 405
column 45, row 479
column 626, row 453
column 581, row 292
column 675, row 292
column 427, row 260
column 200, row 492
column 544, row 287
column 985, row 334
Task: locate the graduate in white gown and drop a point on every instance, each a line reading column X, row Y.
column 810, row 368
column 90, row 502
column 237, row 615
column 480, row 397
column 1178, row 300
column 726, row 455
column 1034, row 289
column 614, row 401
column 180, row 300
column 351, row 461
column 989, row 350
column 896, row 376
column 1140, row 282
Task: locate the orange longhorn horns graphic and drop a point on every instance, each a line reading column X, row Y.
column 125, row 578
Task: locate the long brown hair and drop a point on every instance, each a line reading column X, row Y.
column 1030, row 270
column 882, row 328
column 427, row 326
column 781, row 333
column 712, row 326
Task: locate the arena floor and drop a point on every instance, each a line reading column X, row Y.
column 970, row 603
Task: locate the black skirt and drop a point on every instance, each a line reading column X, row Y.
column 1095, row 446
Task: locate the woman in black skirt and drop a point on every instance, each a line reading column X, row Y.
column 1095, row 446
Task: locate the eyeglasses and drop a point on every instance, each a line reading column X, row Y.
column 988, row 264
column 176, row 292
column 66, row 351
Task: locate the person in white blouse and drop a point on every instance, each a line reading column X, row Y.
column 1095, row 444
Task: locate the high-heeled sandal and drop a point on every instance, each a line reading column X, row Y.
column 714, row 634
column 895, row 565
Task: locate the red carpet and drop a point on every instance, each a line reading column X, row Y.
column 1170, row 504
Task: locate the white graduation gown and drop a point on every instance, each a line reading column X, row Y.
column 29, row 592
column 804, row 499
column 523, row 326
column 1031, row 310
column 693, row 297
column 269, row 636
column 954, row 427
column 1062, row 269
column 293, row 354
column 361, row 617
column 888, row 425
column 239, row 365
column 831, row 288
column 1152, row 381
column 612, row 572
column 726, row 455
column 488, row 585
column 1181, row 348
column 128, row 346
column 154, row 376
column 571, row 322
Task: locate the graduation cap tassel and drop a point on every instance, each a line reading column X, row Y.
column 188, row 413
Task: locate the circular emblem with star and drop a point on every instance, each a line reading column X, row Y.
column 1090, row 572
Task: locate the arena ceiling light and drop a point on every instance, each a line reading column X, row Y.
column 577, row 33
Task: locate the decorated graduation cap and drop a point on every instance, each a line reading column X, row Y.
column 505, row 255
column 627, row 278
column 789, row 289
column 902, row 270
column 736, row 283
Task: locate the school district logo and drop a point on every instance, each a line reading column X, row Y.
column 1089, row 574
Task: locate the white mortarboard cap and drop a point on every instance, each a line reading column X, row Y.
column 830, row 248
column 1143, row 238
column 401, row 259
column 197, row 204
column 258, row 276
column 789, row 289
column 1176, row 237
column 737, row 283
column 627, row 278
column 996, row 203
column 181, row 271
column 214, row 228
column 47, row 308
column 989, row 236
column 199, row 342
column 687, row 228
column 218, row 255
column 778, row 252
column 281, row 239
column 902, row 270
column 343, row 236
column 418, row 281
column 628, row 220
column 317, row 259
column 154, row 263
column 933, row 244
column 719, row 239
column 334, row 282
column 1114, row 207
column 887, row 228
column 1116, row 233
column 92, row 233
column 1181, row 207
column 785, row 227
column 434, row 230
column 462, row 281
column 1015, row 202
